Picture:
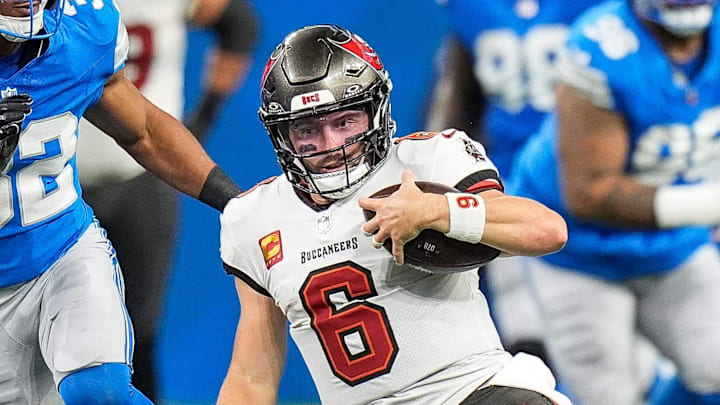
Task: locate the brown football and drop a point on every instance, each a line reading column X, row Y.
column 432, row 250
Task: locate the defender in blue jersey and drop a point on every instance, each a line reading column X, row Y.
column 64, row 324
column 496, row 83
column 499, row 69
column 632, row 161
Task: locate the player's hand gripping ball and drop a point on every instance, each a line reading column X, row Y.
column 432, row 250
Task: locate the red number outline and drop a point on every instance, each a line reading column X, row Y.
column 467, row 201
column 332, row 325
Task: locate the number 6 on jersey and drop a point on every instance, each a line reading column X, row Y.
column 356, row 338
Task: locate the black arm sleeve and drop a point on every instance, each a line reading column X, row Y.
column 218, row 189
column 237, row 27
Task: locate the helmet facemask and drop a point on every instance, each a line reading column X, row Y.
column 681, row 18
column 352, row 161
column 27, row 27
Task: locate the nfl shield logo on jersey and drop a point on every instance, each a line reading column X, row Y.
column 323, row 224
column 8, row 92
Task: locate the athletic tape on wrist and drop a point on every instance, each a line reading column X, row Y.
column 467, row 217
column 683, row 205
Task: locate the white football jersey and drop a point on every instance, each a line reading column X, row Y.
column 371, row 332
column 155, row 64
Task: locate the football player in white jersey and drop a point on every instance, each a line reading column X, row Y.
column 371, row 329
column 139, row 211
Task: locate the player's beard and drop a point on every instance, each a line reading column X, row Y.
column 338, row 179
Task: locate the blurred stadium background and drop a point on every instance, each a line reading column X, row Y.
column 201, row 308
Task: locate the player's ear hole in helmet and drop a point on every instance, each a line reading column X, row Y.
column 315, row 72
column 679, row 17
column 24, row 20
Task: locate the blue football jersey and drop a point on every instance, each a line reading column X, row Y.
column 514, row 44
column 42, row 213
column 673, row 124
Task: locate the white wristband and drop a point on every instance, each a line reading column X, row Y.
column 697, row 204
column 467, row 217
